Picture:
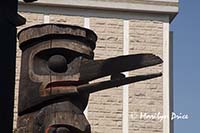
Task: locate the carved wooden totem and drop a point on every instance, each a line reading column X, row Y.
column 57, row 66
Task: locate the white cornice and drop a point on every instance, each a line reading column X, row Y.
column 114, row 6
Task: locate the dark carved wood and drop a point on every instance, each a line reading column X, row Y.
column 57, row 66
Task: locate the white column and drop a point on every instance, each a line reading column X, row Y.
column 125, row 125
column 86, row 25
column 46, row 19
column 171, row 79
column 166, row 79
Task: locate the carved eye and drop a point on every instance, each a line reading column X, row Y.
column 54, row 60
column 57, row 63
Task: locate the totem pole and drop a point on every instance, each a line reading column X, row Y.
column 57, row 66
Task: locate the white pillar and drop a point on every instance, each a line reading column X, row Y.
column 166, row 79
column 46, row 19
column 125, row 125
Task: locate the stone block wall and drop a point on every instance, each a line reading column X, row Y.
column 146, row 36
column 105, row 108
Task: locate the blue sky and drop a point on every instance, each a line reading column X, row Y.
column 186, row 27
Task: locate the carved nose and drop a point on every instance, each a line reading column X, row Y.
column 57, row 63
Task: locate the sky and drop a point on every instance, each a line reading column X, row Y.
column 186, row 64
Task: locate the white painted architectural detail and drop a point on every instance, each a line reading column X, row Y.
column 46, row 19
column 88, row 13
column 120, row 6
column 86, row 25
column 171, row 80
column 125, row 125
column 166, row 79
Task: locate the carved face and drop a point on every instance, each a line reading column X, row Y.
column 56, row 68
column 50, row 67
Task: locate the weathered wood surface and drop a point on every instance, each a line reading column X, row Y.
column 54, row 117
column 90, row 70
column 57, row 66
column 52, row 53
column 94, row 87
column 46, row 31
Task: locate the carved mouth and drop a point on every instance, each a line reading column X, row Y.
column 64, row 83
column 62, row 87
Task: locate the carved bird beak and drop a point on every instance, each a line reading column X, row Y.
column 94, row 69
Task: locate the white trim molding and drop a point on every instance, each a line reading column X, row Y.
column 88, row 13
column 46, row 18
column 171, row 80
column 113, row 6
column 166, row 79
column 125, row 122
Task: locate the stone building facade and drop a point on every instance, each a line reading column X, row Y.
column 123, row 27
